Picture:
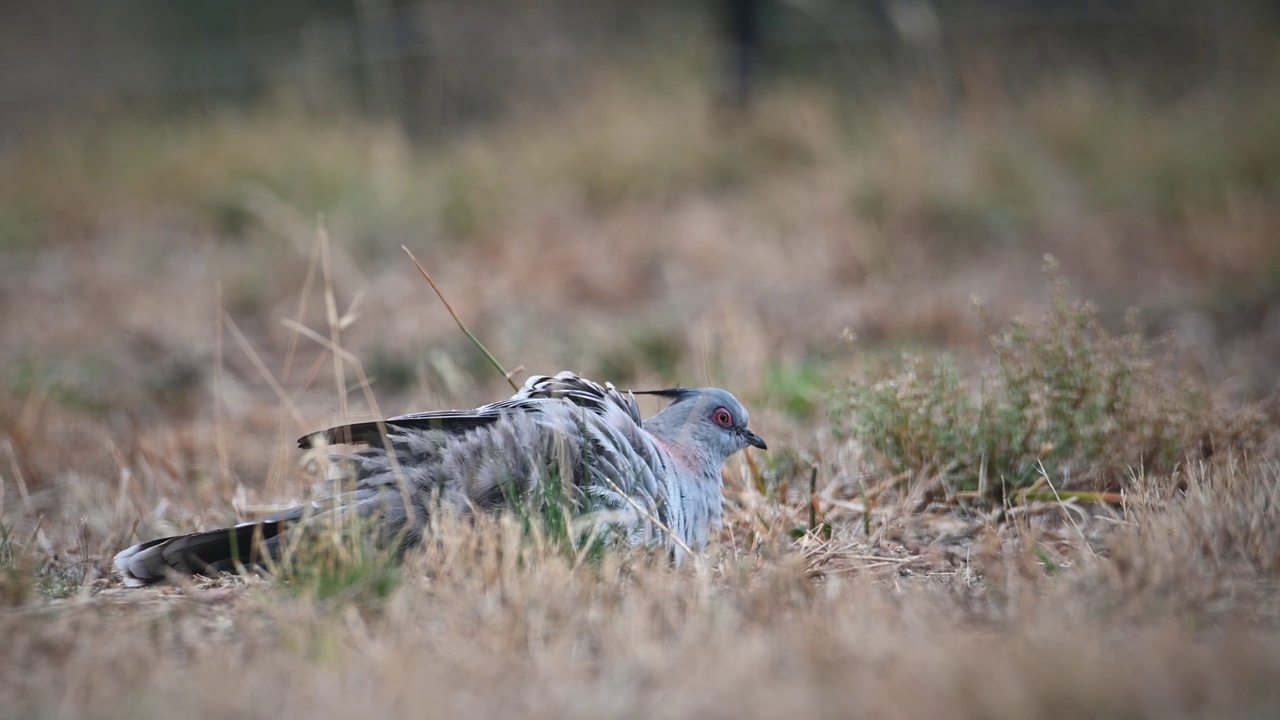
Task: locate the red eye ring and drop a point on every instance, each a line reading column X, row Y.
column 722, row 417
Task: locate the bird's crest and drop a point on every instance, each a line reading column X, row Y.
column 674, row 393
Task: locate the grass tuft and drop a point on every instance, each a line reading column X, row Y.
column 27, row 574
column 17, row 577
column 343, row 563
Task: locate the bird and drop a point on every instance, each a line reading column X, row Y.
column 656, row 481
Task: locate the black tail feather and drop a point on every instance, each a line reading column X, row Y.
column 203, row 553
column 248, row 545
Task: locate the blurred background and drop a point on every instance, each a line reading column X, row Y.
column 771, row 195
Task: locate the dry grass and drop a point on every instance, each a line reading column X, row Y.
column 151, row 387
column 1177, row 620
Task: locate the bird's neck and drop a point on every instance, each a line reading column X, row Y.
column 702, row 499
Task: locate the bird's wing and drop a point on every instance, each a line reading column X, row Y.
column 579, row 391
column 537, row 390
column 372, row 431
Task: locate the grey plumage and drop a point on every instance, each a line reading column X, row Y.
column 653, row 481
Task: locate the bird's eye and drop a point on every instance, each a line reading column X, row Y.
column 722, row 418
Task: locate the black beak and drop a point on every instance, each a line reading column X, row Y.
column 753, row 439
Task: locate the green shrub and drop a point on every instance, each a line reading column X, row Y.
column 1062, row 397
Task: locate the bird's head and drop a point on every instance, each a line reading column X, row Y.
column 711, row 419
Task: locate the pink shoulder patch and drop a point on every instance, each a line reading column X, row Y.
column 681, row 455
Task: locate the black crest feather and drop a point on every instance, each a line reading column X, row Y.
column 670, row 393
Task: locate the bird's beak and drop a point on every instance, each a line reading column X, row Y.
column 753, row 439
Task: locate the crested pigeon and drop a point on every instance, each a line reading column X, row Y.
column 652, row 481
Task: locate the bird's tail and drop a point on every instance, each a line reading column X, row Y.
column 247, row 545
column 203, row 553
